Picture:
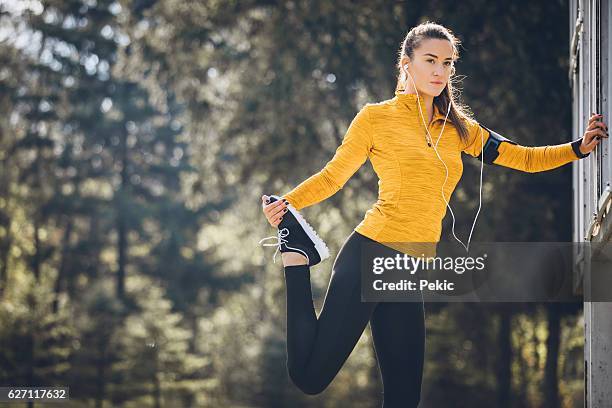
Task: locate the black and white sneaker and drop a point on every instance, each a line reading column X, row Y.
column 296, row 235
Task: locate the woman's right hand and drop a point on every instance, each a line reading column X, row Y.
column 273, row 211
column 595, row 131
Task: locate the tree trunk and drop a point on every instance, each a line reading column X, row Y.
column 156, row 383
column 101, row 374
column 37, row 249
column 121, row 250
column 121, row 222
column 504, row 373
column 4, row 253
column 61, row 272
column 30, row 377
column 5, row 222
column 523, row 396
column 551, row 386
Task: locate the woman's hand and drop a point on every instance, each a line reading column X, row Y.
column 595, row 131
column 274, row 211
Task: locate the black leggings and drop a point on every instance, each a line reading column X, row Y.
column 317, row 348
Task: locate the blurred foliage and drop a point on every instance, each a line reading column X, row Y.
column 136, row 138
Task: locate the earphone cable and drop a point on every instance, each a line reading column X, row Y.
column 467, row 247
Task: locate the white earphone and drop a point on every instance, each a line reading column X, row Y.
column 467, row 247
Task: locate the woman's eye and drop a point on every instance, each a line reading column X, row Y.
column 447, row 64
column 430, row 60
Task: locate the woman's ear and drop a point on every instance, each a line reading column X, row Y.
column 405, row 62
column 452, row 70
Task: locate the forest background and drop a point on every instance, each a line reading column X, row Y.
column 137, row 137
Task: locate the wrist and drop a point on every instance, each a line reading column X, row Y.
column 578, row 150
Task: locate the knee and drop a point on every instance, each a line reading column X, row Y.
column 307, row 383
column 309, row 387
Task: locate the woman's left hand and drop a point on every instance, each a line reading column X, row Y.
column 595, row 131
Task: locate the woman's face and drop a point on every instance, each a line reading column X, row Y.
column 430, row 66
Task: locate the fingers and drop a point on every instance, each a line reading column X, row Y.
column 265, row 203
column 592, row 139
column 278, row 211
column 596, row 119
column 596, row 131
column 597, row 124
column 274, row 211
column 595, row 134
column 595, row 116
column 273, row 208
column 277, row 218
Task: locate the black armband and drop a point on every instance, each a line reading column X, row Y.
column 576, row 148
column 490, row 149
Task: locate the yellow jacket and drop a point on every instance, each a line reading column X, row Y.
column 410, row 206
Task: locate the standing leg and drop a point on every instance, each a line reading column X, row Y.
column 317, row 348
column 398, row 330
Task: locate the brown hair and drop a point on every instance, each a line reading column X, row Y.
column 459, row 113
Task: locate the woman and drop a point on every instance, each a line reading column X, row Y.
column 414, row 142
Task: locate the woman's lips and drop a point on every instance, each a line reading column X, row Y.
column 436, row 83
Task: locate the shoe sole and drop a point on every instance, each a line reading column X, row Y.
column 319, row 244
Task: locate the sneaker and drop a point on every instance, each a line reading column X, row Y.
column 296, row 235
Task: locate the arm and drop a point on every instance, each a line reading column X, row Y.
column 504, row 152
column 349, row 156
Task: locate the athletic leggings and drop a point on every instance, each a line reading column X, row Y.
column 317, row 348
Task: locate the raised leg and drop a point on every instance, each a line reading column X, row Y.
column 317, row 348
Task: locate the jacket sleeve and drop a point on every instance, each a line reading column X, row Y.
column 350, row 155
column 504, row 152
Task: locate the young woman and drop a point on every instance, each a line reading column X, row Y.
column 414, row 142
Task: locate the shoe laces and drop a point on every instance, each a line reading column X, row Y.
column 280, row 237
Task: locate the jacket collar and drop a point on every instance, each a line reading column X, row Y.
column 410, row 101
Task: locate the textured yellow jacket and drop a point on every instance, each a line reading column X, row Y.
column 410, row 206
